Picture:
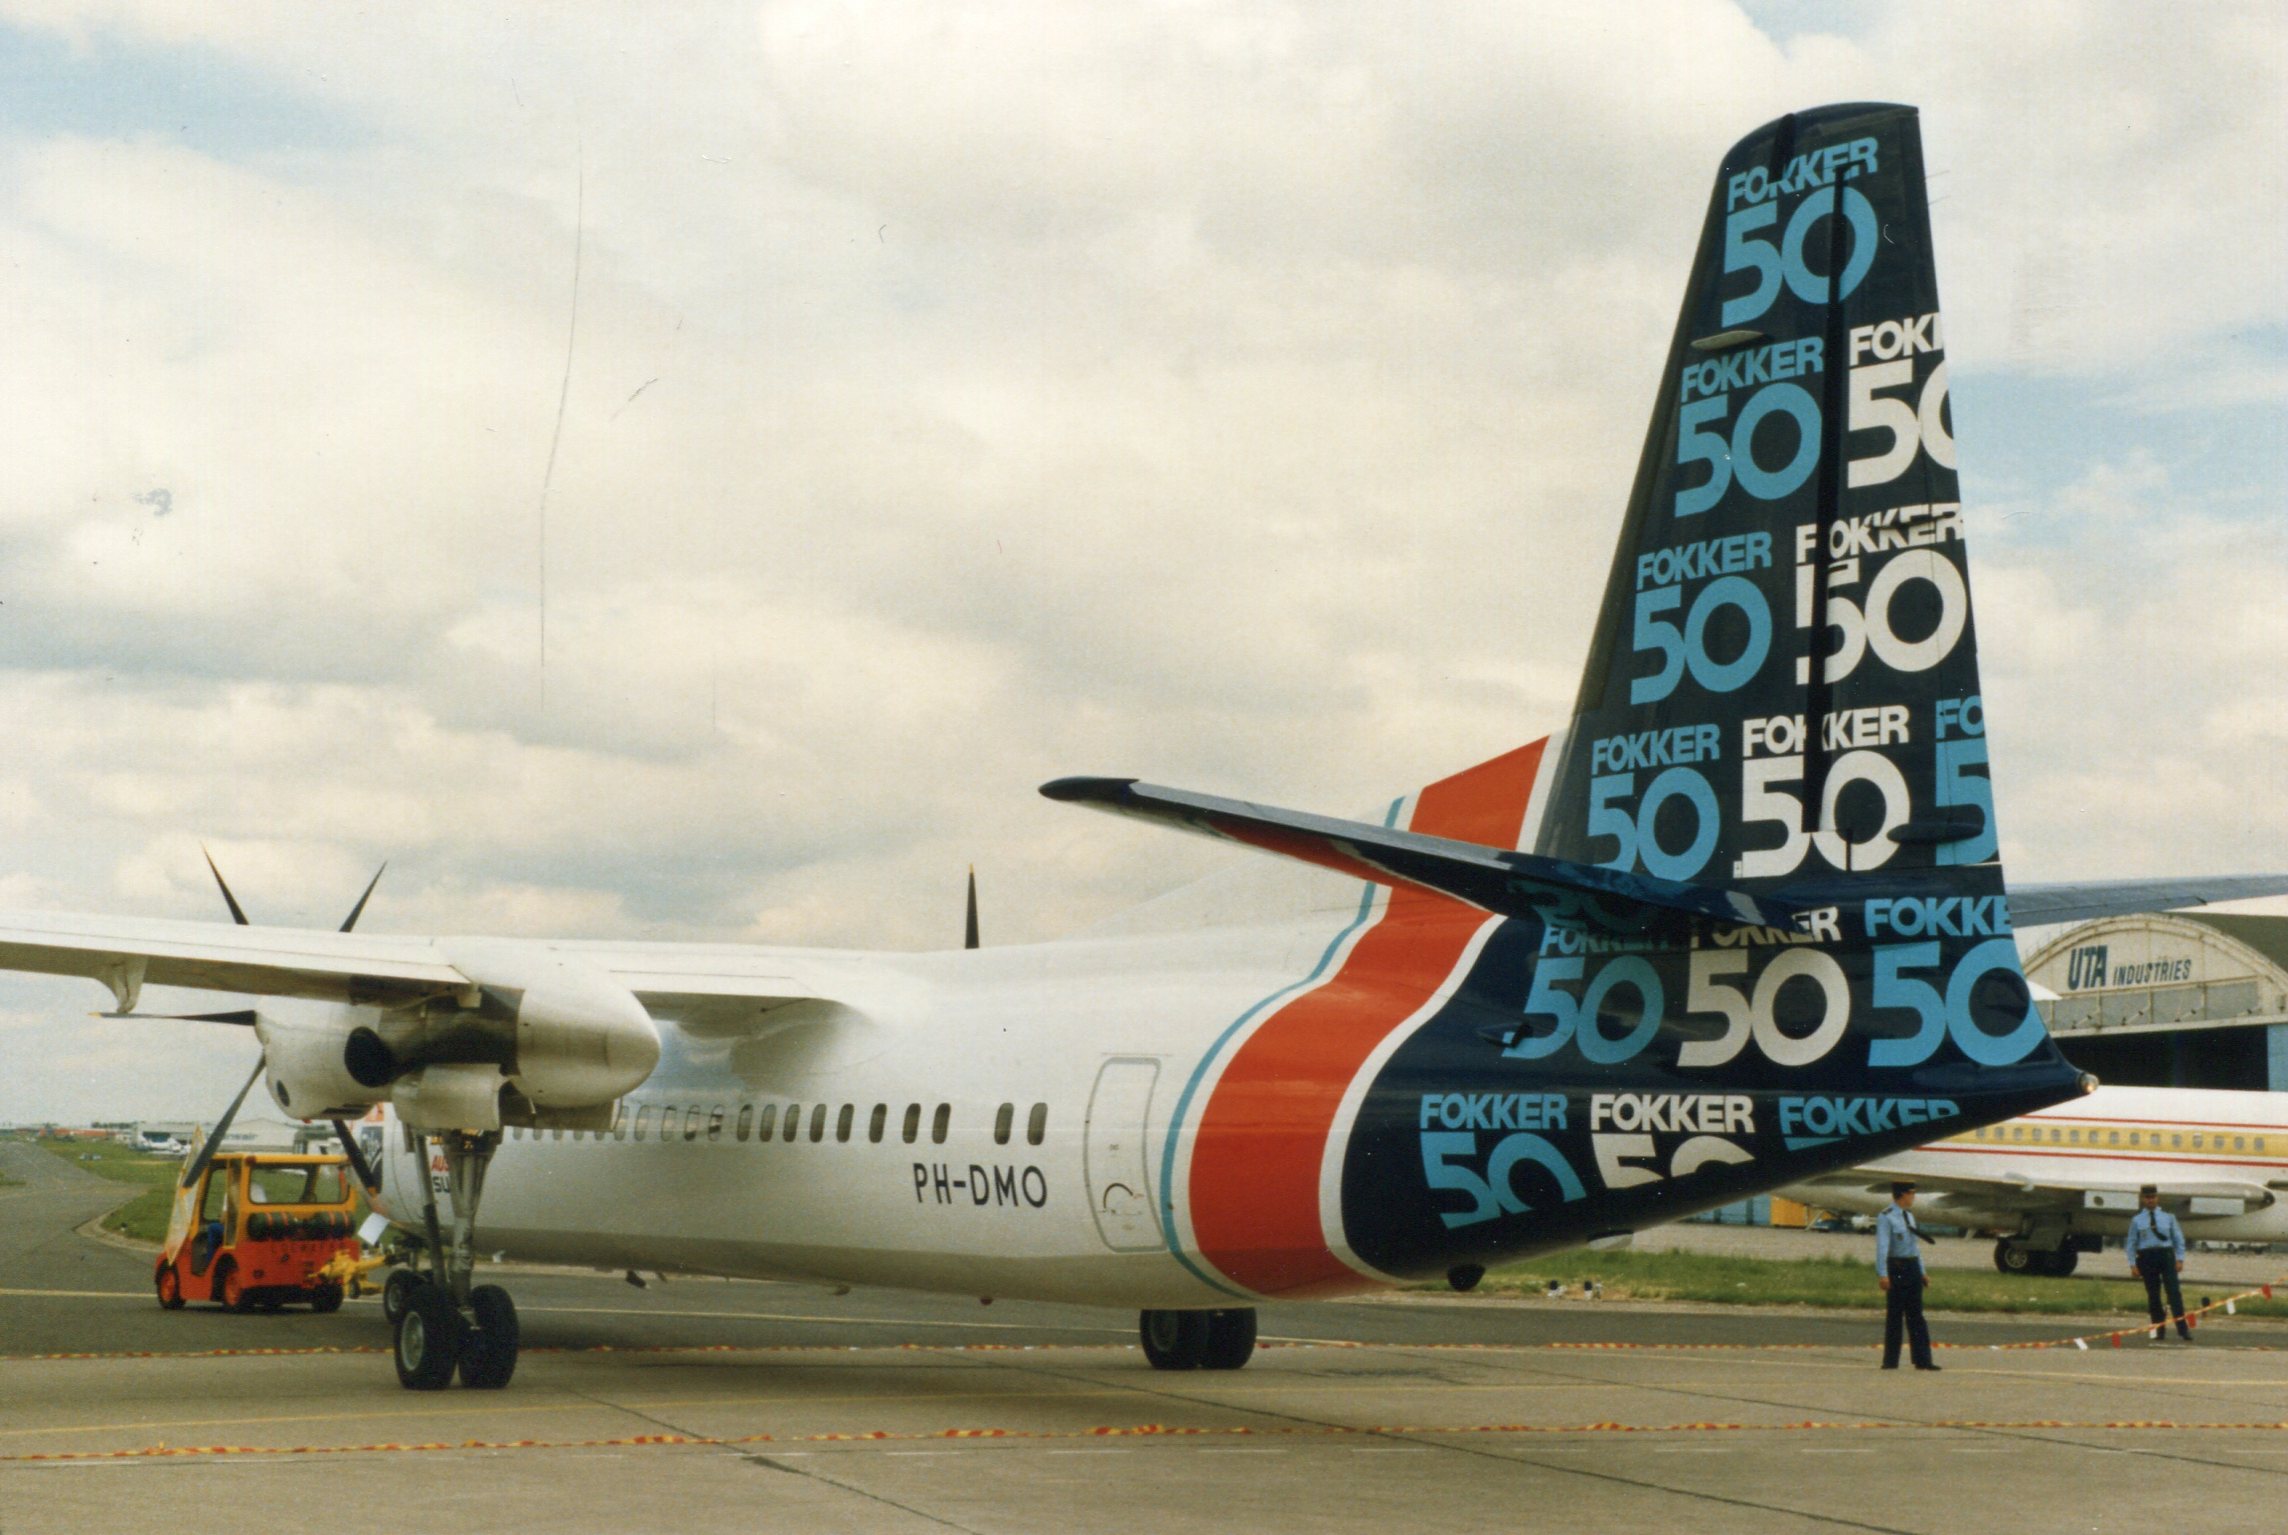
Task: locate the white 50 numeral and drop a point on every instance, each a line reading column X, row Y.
column 1752, row 1015
column 1922, row 424
column 1861, row 629
column 1762, row 799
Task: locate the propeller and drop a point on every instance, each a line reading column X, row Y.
column 198, row 1164
column 969, row 932
column 196, row 1167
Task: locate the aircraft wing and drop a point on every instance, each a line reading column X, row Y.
column 2039, row 905
column 1492, row 879
column 129, row 953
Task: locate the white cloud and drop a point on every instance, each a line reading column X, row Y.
column 1238, row 395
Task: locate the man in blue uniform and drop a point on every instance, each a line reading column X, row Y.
column 2156, row 1246
column 1899, row 1270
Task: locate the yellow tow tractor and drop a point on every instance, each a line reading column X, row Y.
column 263, row 1229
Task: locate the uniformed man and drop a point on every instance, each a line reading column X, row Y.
column 1899, row 1270
column 2156, row 1246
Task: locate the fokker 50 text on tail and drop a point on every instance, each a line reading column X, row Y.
column 1740, row 924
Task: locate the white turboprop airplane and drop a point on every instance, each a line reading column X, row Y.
column 2053, row 1184
column 1740, row 925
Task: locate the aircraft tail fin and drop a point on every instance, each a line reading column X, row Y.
column 1800, row 462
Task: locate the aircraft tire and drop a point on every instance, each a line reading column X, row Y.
column 1173, row 1340
column 326, row 1298
column 1230, row 1342
column 427, row 1341
column 488, row 1354
column 2013, row 1257
column 396, row 1291
column 169, row 1284
column 2063, row 1262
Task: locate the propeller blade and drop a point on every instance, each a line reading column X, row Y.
column 196, row 1168
column 236, row 915
column 969, row 932
column 358, row 910
column 358, row 1163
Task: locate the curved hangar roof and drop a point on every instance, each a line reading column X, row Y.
column 2128, row 974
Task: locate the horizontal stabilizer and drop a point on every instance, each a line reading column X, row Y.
column 2038, row 905
column 1496, row 880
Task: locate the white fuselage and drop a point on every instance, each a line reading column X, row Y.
column 2219, row 1157
column 988, row 1043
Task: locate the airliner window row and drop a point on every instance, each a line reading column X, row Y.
column 2142, row 1140
column 676, row 1122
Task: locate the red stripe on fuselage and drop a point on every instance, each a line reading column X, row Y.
column 1262, row 1136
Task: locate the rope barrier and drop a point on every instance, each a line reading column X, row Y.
column 1156, row 1431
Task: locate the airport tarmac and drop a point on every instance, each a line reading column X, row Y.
column 701, row 1405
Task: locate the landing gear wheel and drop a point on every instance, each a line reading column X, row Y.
column 232, row 1291
column 2013, row 1257
column 397, row 1293
column 1230, row 1341
column 488, row 1354
column 326, row 1298
column 2063, row 1262
column 427, row 1344
column 1174, row 1340
column 170, row 1287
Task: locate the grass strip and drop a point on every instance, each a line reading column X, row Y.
column 2102, row 1287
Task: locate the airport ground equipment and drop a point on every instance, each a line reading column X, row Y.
column 259, row 1230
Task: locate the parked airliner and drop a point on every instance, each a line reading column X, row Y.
column 2053, row 1184
column 1740, row 924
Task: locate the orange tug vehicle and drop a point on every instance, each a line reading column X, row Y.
column 261, row 1230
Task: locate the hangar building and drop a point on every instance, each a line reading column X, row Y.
column 2181, row 1000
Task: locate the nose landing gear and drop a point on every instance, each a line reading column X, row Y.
column 440, row 1325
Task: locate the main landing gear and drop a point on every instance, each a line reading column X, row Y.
column 439, row 1324
column 2013, row 1256
column 1198, row 1340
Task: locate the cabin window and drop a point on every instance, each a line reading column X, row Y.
column 746, row 1119
column 691, row 1123
column 643, row 1121
column 619, row 1121
column 842, row 1122
column 2017, row 1132
column 913, row 1122
column 2113, row 1137
column 2056, row 1135
column 767, row 1122
column 715, row 1124
column 793, row 1120
column 940, row 1122
column 2239, row 1143
column 2176, row 1143
column 1037, row 1125
column 557, row 1133
column 817, row 1123
column 2073, row 1137
column 1002, row 1119
column 879, row 1121
column 2199, row 1142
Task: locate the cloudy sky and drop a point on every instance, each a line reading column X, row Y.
column 693, row 471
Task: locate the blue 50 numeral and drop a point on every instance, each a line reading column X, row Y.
column 1784, row 263
column 1633, row 831
column 1947, row 1016
column 1686, row 649
column 1491, row 1193
column 1735, row 458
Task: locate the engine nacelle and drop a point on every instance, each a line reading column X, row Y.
column 580, row 1039
column 308, row 1074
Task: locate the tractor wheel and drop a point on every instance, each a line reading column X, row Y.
column 170, row 1287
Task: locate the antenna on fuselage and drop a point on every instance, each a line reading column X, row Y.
column 969, row 929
